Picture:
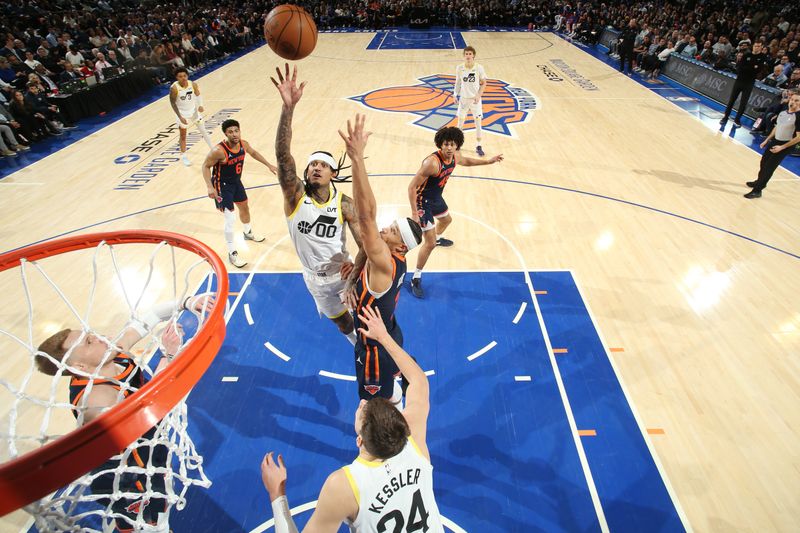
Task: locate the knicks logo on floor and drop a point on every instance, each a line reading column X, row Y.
column 432, row 100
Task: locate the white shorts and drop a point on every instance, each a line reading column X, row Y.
column 466, row 105
column 327, row 294
column 191, row 120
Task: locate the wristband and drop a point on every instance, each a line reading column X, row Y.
column 283, row 518
column 199, row 101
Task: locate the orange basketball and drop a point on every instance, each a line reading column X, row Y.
column 408, row 98
column 290, row 32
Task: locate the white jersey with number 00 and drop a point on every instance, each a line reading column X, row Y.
column 317, row 231
column 187, row 100
column 468, row 80
column 394, row 495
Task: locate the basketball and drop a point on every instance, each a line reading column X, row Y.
column 416, row 98
column 290, row 32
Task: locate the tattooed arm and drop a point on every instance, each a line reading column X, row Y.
column 291, row 185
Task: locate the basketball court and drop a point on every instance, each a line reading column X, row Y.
column 611, row 343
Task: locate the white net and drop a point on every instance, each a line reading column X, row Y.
column 146, row 295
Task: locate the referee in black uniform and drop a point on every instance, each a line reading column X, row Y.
column 780, row 143
column 747, row 69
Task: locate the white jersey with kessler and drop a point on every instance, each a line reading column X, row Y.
column 319, row 237
column 186, row 101
column 395, row 494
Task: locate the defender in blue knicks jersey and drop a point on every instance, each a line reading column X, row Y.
column 425, row 193
column 389, row 486
column 222, row 172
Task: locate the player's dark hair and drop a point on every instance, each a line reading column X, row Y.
column 415, row 229
column 450, row 133
column 384, row 430
column 470, row 49
column 228, row 123
column 54, row 347
column 181, row 69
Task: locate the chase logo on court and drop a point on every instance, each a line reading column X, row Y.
column 432, row 100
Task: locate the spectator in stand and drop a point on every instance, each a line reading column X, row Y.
column 640, row 52
column 46, row 79
column 9, row 75
column 87, row 69
column 74, row 57
column 27, row 116
column 31, row 61
column 722, row 48
column 794, row 80
column 776, row 79
column 764, row 123
column 707, row 54
column 69, row 74
column 99, row 65
column 9, row 145
column 24, row 135
column 690, row 50
column 681, row 43
column 112, row 59
column 124, row 50
column 50, row 112
column 787, row 65
column 663, row 55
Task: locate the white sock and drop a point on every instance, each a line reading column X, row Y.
column 247, row 228
column 230, row 219
column 352, row 337
column 478, row 129
column 417, row 273
column 397, row 396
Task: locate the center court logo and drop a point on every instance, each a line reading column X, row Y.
column 432, row 100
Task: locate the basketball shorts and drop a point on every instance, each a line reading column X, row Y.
column 231, row 192
column 430, row 209
column 327, row 293
column 375, row 368
column 127, row 508
column 191, row 119
column 467, row 105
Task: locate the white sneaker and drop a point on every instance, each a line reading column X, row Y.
column 185, row 160
column 235, row 260
column 255, row 237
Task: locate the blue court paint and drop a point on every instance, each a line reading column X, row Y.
column 504, row 456
column 631, row 489
column 417, row 40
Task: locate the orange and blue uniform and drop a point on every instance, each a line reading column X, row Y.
column 430, row 202
column 226, row 177
column 375, row 368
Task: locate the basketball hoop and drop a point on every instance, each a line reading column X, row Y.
column 64, row 458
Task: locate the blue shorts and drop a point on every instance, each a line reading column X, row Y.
column 231, row 192
column 430, row 208
column 375, row 368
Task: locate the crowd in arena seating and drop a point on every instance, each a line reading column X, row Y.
column 48, row 46
column 52, row 46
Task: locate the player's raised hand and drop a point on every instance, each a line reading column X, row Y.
column 376, row 329
column 172, row 339
column 202, row 303
column 273, row 474
column 356, row 138
column 287, row 86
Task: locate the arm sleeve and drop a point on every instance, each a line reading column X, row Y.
column 284, row 523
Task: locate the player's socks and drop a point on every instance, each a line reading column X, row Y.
column 417, row 273
column 229, row 221
column 247, row 228
column 352, row 337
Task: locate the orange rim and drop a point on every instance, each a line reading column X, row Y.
column 34, row 475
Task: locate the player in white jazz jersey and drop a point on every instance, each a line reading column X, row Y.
column 316, row 214
column 184, row 96
column 389, row 487
column 470, row 84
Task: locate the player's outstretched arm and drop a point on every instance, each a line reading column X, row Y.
column 349, row 216
column 290, row 93
column 214, row 156
column 429, row 167
column 161, row 312
column 199, row 101
column 474, row 161
column 258, row 157
column 333, row 505
column 365, row 205
column 418, row 392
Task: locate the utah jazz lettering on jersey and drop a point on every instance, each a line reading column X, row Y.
column 230, row 169
column 469, row 78
column 317, row 231
column 434, row 185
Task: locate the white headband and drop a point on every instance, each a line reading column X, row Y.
column 405, row 231
column 325, row 158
